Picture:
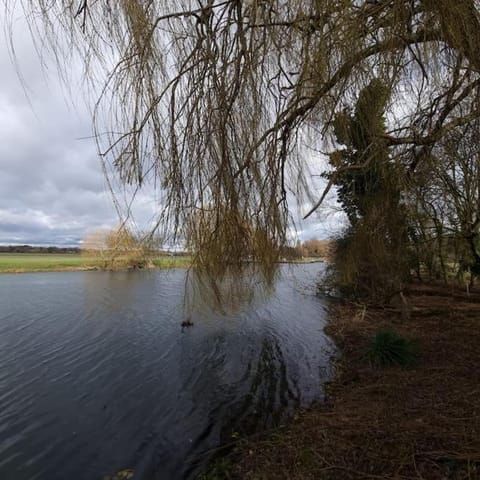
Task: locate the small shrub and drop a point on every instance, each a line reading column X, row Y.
column 388, row 348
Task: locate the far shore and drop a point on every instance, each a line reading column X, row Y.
column 45, row 262
column 67, row 262
column 305, row 260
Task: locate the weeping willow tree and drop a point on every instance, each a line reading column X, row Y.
column 217, row 103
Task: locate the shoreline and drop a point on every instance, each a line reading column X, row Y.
column 161, row 263
column 43, row 263
column 86, row 269
column 380, row 423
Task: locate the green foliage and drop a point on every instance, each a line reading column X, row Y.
column 364, row 174
column 370, row 258
column 388, row 348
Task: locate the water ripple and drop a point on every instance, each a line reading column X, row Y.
column 96, row 374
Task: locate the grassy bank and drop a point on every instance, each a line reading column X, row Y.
column 385, row 423
column 25, row 262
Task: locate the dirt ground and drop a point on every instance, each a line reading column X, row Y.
column 386, row 423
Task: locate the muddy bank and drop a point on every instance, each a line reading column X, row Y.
column 417, row 423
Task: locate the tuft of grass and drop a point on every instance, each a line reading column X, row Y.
column 387, row 348
column 218, row 470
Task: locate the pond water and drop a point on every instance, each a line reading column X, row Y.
column 96, row 374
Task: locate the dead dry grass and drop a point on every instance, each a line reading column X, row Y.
column 418, row 423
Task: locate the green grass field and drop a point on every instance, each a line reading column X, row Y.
column 44, row 262
column 172, row 262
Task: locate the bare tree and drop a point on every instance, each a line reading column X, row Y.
column 117, row 248
column 213, row 101
column 451, row 200
column 94, row 245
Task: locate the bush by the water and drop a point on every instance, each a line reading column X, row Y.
column 388, row 348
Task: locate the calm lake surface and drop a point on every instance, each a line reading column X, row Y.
column 96, row 374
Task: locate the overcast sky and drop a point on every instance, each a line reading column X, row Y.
column 52, row 190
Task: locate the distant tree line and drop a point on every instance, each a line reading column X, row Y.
column 36, row 249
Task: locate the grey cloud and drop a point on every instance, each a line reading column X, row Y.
column 52, row 189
